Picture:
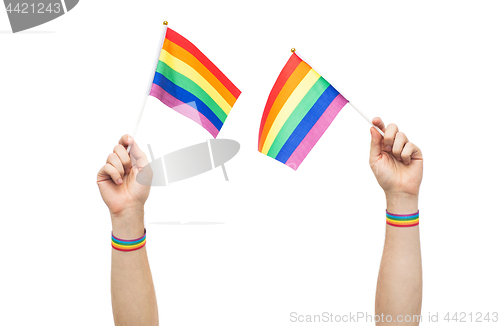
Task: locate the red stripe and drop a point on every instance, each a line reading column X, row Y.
column 287, row 71
column 402, row 226
column 178, row 39
column 128, row 249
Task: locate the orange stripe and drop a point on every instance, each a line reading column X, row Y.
column 144, row 245
column 402, row 225
column 290, row 85
column 178, row 39
column 183, row 55
column 117, row 245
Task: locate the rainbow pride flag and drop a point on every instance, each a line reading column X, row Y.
column 300, row 107
column 188, row 82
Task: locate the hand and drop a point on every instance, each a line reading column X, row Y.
column 396, row 162
column 117, row 183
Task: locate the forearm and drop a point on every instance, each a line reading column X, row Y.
column 399, row 288
column 132, row 290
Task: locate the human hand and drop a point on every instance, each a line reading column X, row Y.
column 123, row 195
column 396, row 163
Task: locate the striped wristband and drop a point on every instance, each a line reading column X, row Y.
column 128, row 245
column 402, row 220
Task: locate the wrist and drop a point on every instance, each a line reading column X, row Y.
column 402, row 203
column 129, row 224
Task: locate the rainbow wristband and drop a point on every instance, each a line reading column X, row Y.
column 128, row 245
column 402, row 220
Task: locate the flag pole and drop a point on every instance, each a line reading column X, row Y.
column 355, row 108
column 150, row 81
column 212, row 160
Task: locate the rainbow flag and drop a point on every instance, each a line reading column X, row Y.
column 188, row 82
column 300, row 107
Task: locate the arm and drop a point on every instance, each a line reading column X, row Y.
column 397, row 165
column 132, row 290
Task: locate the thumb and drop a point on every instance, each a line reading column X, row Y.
column 136, row 153
column 140, row 157
column 376, row 145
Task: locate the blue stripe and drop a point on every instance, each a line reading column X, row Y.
column 402, row 218
column 128, row 243
column 307, row 123
column 186, row 97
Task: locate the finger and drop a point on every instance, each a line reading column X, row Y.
column 109, row 172
column 123, row 156
column 398, row 145
column 389, row 136
column 411, row 152
column 125, row 140
column 376, row 145
column 379, row 123
column 116, row 163
column 141, row 160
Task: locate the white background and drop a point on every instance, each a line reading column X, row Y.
column 307, row 241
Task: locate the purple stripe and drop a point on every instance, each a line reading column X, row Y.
column 128, row 240
column 316, row 132
column 184, row 109
column 402, row 215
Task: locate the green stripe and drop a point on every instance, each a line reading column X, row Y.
column 297, row 115
column 402, row 219
column 190, row 86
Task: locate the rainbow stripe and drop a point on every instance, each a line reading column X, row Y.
column 403, row 220
column 128, row 245
column 188, row 82
column 300, row 107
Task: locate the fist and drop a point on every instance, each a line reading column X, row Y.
column 395, row 161
column 117, row 178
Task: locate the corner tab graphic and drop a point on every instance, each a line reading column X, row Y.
column 26, row 14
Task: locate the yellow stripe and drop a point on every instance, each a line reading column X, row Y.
column 298, row 94
column 403, row 222
column 186, row 70
column 128, row 247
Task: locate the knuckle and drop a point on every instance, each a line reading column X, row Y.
column 109, row 168
column 111, row 156
column 126, row 160
column 392, row 130
column 113, row 172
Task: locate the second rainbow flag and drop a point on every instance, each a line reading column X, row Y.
column 300, row 107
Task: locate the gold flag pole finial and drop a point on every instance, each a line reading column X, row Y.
column 293, row 50
column 165, row 22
